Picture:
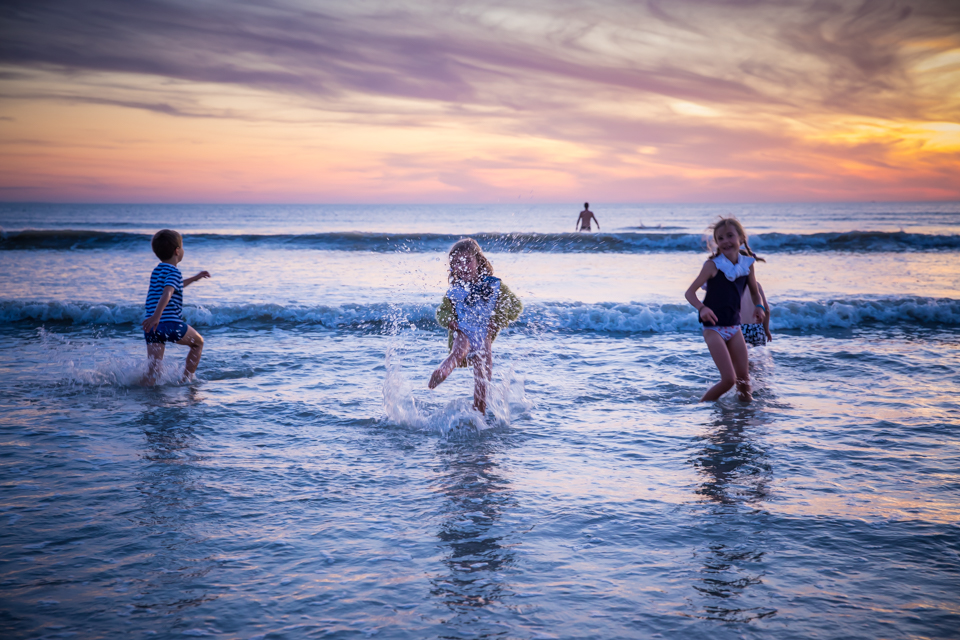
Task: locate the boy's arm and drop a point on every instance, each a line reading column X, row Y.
column 202, row 274
column 151, row 323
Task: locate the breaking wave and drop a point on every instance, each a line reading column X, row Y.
column 629, row 242
column 625, row 318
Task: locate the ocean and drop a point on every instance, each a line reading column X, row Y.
column 308, row 484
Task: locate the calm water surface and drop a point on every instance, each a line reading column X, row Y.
column 309, row 485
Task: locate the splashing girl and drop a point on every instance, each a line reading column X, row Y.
column 477, row 306
column 725, row 275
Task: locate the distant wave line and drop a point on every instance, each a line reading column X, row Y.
column 612, row 318
column 521, row 242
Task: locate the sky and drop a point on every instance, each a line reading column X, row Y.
column 299, row 101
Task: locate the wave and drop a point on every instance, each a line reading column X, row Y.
column 629, row 242
column 614, row 318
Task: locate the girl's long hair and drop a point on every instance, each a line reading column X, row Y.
column 469, row 246
column 721, row 223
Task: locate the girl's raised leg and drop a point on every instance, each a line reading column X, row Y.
column 461, row 347
column 721, row 358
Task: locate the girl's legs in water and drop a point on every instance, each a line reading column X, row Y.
column 459, row 351
column 482, row 373
column 733, row 363
column 482, row 369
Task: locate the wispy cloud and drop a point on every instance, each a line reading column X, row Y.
column 703, row 86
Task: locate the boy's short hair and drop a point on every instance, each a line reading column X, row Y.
column 165, row 243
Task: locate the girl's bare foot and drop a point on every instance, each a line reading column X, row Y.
column 443, row 371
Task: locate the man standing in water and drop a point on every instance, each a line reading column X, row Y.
column 583, row 222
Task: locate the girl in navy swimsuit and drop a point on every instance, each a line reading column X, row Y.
column 725, row 276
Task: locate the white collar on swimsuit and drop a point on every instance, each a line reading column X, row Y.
column 731, row 270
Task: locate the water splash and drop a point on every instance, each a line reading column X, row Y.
column 506, row 400
column 77, row 363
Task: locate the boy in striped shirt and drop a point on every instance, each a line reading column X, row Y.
column 163, row 320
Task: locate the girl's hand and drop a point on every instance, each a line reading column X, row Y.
column 759, row 315
column 453, row 326
column 707, row 315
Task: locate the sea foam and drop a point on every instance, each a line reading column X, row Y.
column 631, row 317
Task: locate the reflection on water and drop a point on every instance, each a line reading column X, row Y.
column 476, row 554
column 735, row 474
column 734, row 470
column 173, row 497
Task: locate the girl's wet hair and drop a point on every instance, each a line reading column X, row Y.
column 720, row 224
column 469, row 246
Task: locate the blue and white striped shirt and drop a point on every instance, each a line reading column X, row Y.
column 166, row 275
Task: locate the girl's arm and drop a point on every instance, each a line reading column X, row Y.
column 445, row 313
column 706, row 313
column 448, row 319
column 202, row 274
column 759, row 314
column 507, row 309
column 766, row 316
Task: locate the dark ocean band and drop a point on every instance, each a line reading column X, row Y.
column 626, row 242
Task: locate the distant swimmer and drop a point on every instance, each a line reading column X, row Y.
column 583, row 222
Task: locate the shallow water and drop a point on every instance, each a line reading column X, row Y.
column 310, row 485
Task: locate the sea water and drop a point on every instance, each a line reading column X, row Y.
column 308, row 484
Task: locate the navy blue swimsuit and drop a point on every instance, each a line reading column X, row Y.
column 723, row 297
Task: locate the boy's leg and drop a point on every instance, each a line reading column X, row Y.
column 193, row 340
column 721, row 358
column 154, row 358
column 459, row 351
column 740, row 359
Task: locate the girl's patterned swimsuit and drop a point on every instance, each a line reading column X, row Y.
column 473, row 306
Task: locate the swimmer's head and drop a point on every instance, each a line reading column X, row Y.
column 467, row 262
column 586, row 205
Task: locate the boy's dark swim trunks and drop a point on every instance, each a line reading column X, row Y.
column 168, row 331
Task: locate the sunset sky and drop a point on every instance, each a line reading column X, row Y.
column 440, row 101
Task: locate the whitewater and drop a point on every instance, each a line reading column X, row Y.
column 309, row 484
